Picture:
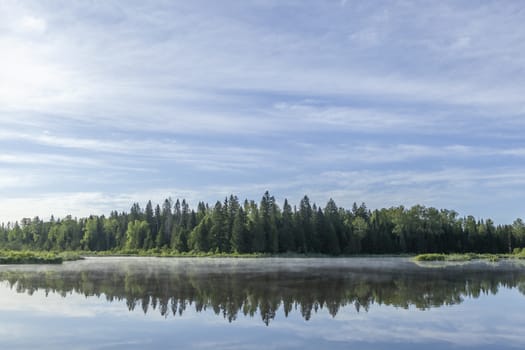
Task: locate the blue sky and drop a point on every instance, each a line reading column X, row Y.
column 106, row 103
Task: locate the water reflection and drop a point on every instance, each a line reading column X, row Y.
column 262, row 287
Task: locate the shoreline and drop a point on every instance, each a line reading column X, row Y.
column 9, row 257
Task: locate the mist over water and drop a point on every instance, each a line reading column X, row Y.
column 307, row 297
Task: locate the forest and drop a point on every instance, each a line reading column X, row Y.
column 232, row 226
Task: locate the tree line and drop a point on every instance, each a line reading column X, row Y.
column 232, row 226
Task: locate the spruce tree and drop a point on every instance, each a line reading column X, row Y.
column 239, row 241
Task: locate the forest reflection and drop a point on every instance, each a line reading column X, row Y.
column 234, row 290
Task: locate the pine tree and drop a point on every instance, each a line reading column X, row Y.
column 305, row 217
column 269, row 219
column 286, row 233
column 218, row 228
column 239, row 241
column 148, row 215
column 164, row 235
column 135, row 212
column 157, row 223
column 199, row 239
column 256, row 230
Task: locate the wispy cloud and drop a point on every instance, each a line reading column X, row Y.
column 96, row 95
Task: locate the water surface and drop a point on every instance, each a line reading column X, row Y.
column 364, row 303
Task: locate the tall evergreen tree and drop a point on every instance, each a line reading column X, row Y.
column 239, row 239
column 135, row 212
column 269, row 219
column 258, row 238
column 200, row 237
column 218, row 229
column 305, row 216
column 156, row 230
column 164, row 235
column 286, row 233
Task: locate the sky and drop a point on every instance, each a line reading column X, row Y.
column 107, row 103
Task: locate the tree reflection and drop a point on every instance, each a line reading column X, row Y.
column 231, row 292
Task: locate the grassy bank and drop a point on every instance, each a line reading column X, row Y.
column 37, row 257
column 463, row 257
column 44, row 257
column 28, row 257
column 195, row 254
column 171, row 254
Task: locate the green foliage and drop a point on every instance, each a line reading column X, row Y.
column 519, row 253
column 232, row 227
column 27, row 257
column 70, row 256
column 460, row 257
column 240, row 241
column 137, row 232
column 430, row 257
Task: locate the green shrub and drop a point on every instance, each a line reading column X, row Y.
column 460, row 257
column 430, row 257
column 70, row 256
column 27, row 257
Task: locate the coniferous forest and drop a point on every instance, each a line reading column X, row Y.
column 232, row 226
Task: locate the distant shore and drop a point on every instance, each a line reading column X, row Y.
column 45, row 257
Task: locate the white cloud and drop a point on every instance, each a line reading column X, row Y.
column 31, row 79
column 198, row 95
column 11, row 180
column 83, row 204
column 372, row 153
column 103, row 152
column 183, row 63
column 32, row 24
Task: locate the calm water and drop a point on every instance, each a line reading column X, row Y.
column 358, row 303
